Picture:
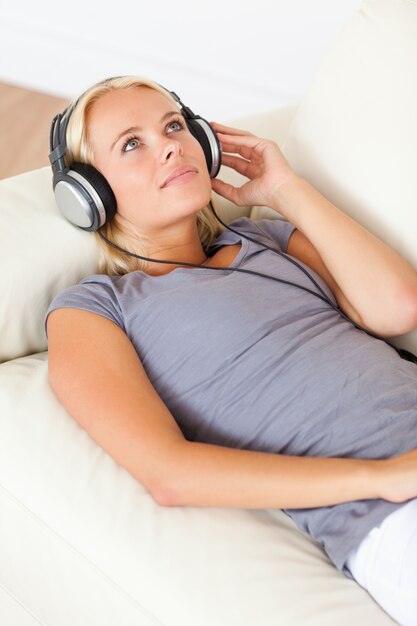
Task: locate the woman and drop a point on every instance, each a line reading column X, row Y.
column 221, row 388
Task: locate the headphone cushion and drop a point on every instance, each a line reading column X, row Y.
column 200, row 134
column 101, row 186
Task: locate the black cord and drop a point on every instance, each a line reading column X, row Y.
column 404, row 354
column 290, row 259
column 322, row 295
column 207, row 267
column 279, row 252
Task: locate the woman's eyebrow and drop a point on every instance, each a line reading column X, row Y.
column 134, row 129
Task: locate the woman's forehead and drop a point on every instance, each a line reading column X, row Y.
column 133, row 106
column 122, row 102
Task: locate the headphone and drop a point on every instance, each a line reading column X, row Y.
column 83, row 195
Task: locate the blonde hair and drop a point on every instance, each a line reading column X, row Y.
column 80, row 150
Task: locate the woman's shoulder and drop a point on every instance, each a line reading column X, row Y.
column 97, row 293
column 94, row 284
column 106, row 282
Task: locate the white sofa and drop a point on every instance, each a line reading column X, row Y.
column 81, row 542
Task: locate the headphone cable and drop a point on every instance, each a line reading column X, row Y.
column 404, row 354
column 207, row 267
column 322, row 295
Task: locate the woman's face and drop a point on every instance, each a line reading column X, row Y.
column 139, row 141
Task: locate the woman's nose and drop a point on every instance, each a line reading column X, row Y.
column 171, row 149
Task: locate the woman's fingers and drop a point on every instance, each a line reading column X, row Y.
column 260, row 160
column 250, row 147
column 246, row 151
column 229, row 130
column 240, row 165
column 224, row 189
column 244, row 143
column 250, row 141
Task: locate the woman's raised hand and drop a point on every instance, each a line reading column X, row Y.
column 260, row 160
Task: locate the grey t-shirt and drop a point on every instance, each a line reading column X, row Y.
column 246, row 362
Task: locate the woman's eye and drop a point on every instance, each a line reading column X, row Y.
column 175, row 125
column 131, row 144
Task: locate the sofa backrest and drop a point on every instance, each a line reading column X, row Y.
column 41, row 255
column 354, row 135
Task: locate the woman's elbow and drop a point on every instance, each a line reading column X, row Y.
column 165, row 486
column 397, row 316
column 402, row 318
column 406, row 310
column 165, row 495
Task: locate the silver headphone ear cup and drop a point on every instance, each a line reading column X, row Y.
column 207, row 137
column 84, row 197
column 107, row 200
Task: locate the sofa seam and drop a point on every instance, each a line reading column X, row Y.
column 413, row 2
column 83, row 557
column 23, row 606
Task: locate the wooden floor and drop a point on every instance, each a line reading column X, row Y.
column 25, row 119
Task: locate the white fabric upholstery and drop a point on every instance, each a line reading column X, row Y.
column 40, row 254
column 354, row 136
column 81, row 541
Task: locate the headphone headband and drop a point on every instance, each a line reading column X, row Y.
column 57, row 139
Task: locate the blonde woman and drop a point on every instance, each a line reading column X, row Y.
column 213, row 368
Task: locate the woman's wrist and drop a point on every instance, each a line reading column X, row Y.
column 284, row 198
column 375, row 471
column 396, row 478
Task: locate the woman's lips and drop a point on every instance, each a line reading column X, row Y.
column 180, row 175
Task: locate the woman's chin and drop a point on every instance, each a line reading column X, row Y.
column 193, row 203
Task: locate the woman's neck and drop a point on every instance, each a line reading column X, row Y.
column 186, row 248
column 176, row 253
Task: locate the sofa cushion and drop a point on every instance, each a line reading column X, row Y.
column 354, row 135
column 82, row 542
column 41, row 253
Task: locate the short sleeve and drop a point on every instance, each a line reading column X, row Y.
column 268, row 231
column 278, row 231
column 95, row 294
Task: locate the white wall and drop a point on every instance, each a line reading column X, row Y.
column 224, row 59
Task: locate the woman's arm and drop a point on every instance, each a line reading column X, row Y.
column 99, row 378
column 375, row 286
